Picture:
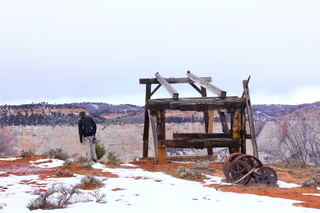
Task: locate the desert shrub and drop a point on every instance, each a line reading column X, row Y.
column 26, row 154
column 90, row 180
column 202, row 167
column 85, row 162
column 87, row 165
column 60, row 173
column 57, row 153
column 181, row 169
column 100, row 149
column 58, row 196
column 188, row 173
column 314, row 181
column 83, row 159
column 113, row 159
column 99, row 196
column 67, row 163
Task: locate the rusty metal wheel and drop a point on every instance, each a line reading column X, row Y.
column 251, row 160
column 237, row 170
column 228, row 161
column 266, row 175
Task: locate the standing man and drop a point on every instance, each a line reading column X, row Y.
column 87, row 130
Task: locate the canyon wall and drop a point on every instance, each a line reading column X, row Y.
column 124, row 139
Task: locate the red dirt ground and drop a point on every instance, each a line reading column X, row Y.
column 22, row 167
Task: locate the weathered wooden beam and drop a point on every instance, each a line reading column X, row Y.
column 223, row 121
column 250, row 118
column 197, row 104
column 199, row 143
column 167, row 86
column 200, row 135
column 155, row 89
column 171, row 80
column 146, row 122
column 207, row 104
column 243, row 131
column 185, row 158
column 161, row 134
column 154, row 130
column 204, row 135
column 235, row 128
column 207, row 85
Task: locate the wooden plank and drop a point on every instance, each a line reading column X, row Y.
column 167, row 86
column 206, row 105
column 185, row 158
column 200, row 135
column 204, row 135
column 171, row 80
column 207, row 85
column 204, row 143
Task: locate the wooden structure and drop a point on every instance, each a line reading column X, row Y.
column 233, row 136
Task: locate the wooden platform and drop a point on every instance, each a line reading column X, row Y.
column 233, row 128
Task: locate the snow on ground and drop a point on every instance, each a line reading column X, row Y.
column 139, row 191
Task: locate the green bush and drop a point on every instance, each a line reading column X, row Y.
column 67, row 163
column 314, row 181
column 60, row 173
column 186, row 172
column 202, row 167
column 100, row 149
column 87, row 165
column 83, row 159
column 90, row 180
column 26, row 154
column 57, row 153
column 113, row 159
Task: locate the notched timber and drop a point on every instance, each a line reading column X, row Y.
column 167, row 86
column 200, row 104
column 207, row 85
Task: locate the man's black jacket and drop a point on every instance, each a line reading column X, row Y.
column 82, row 133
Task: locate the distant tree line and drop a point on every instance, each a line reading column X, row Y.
column 39, row 106
column 50, row 119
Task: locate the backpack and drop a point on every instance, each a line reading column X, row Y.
column 88, row 125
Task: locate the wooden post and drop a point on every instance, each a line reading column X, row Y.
column 250, row 117
column 224, row 123
column 235, row 127
column 208, row 119
column 243, row 131
column 146, row 122
column 153, row 121
column 161, row 133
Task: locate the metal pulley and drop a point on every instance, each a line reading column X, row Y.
column 240, row 168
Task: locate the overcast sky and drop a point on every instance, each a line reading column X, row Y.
column 61, row 51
